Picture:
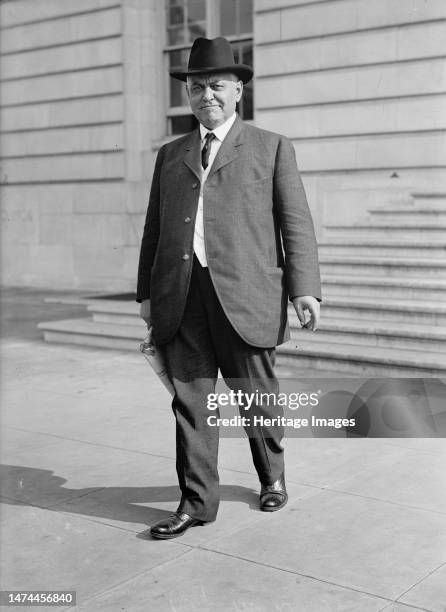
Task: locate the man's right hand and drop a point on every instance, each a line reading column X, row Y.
column 144, row 312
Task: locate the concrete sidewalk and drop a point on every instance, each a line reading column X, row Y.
column 88, row 464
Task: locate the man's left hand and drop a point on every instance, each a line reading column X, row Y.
column 304, row 304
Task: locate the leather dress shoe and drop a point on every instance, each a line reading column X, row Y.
column 174, row 526
column 273, row 496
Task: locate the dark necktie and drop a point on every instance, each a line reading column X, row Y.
column 206, row 150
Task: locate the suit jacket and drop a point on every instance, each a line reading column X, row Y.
column 259, row 235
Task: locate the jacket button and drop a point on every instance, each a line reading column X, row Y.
column 185, row 256
column 194, row 185
column 187, row 220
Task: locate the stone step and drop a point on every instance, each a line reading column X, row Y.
column 360, row 309
column 391, row 247
column 384, row 230
column 365, row 333
column 354, row 359
column 115, row 318
column 429, row 199
column 398, row 288
column 409, row 214
column 116, row 312
column 114, row 306
column 90, row 333
column 381, row 265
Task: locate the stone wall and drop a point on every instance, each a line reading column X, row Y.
column 360, row 87
column 79, row 111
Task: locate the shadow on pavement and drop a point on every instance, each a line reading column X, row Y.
column 29, row 486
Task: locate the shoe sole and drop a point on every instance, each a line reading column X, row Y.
column 170, row 536
column 166, row 537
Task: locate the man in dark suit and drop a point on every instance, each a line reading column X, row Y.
column 228, row 239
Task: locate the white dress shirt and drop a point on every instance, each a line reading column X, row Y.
column 220, row 134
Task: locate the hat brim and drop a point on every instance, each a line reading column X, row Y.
column 244, row 72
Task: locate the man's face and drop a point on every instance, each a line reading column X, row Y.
column 213, row 97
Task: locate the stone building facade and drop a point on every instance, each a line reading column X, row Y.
column 359, row 87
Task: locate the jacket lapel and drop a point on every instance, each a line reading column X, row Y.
column 228, row 151
column 192, row 159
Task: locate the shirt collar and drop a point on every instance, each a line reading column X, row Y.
column 221, row 131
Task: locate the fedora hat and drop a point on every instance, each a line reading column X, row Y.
column 210, row 56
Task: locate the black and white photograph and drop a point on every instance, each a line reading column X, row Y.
column 223, row 305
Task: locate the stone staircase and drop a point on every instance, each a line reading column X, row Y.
column 384, row 286
column 384, row 308
column 112, row 323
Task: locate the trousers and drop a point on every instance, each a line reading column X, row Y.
column 205, row 343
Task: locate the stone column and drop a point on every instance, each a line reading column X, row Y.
column 144, row 112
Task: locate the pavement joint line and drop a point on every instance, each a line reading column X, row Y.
column 408, row 606
column 52, row 435
column 90, row 519
column 384, row 501
column 134, row 577
column 80, row 517
column 18, row 502
column 83, row 517
column 77, row 516
column 419, row 582
column 52, row 507
column 11, row 499
column 75, row 497
column 294, row 573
